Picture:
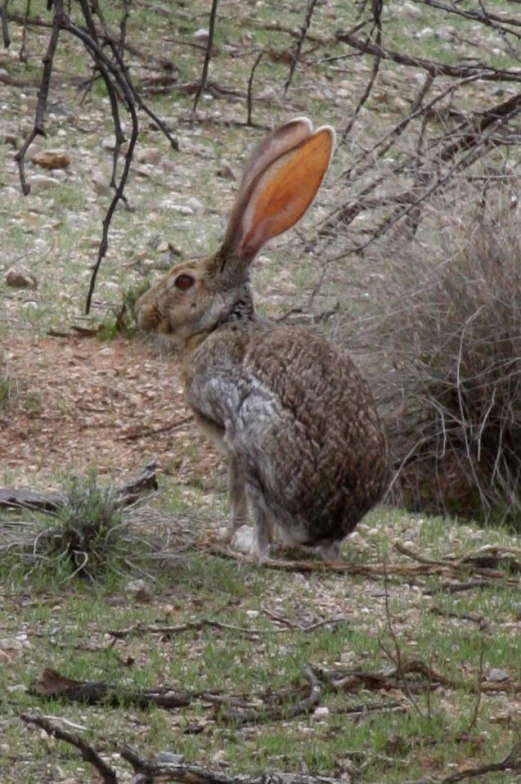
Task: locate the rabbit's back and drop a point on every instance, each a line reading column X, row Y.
column 296, row 412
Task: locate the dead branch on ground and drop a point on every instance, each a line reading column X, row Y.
column 446, row 568
column 88, row 753
column 148, row 771
column 167, row 632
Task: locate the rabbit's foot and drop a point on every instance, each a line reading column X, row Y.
column 245, row 540
column 330, row 553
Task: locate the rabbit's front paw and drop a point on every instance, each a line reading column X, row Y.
column 245, row 540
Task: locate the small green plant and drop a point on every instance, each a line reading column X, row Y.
column 87, row 536
column 88, row 528
column 7, row 386
column 122, row 323
column 88, row 531
column 6, row 392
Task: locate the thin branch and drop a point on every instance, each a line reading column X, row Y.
column 88, row 753
column 310, row 7
column 25, row 25
column 249, row 97
column 377, row 14
column 479, row 683
column 484, row 72
column 5, row 27
column 43, row 94
column 207, row 56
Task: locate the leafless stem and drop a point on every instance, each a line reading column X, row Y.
column 310, row 7
column 5, row 27
column 208, row 54
column 479, row 689
column 39, row 127
column 24, row 31
column 249, row 99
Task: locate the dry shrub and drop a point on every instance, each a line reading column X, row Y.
column 450, row 334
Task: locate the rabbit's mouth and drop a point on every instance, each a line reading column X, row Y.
column 164, row 327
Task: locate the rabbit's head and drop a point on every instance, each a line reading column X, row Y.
column 278, row 185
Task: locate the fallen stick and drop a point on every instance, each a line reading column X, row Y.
column 88, row 753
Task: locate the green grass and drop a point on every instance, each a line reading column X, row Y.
column 59, row 623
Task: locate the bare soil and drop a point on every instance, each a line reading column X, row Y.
column 79, row 402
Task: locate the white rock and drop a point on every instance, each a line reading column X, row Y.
column 322, row 710
column 42, row 181
column 100, row 184
column 496, row 675
column 202, row 34
column 11, row 644
column 410, row 10
column 196, row 205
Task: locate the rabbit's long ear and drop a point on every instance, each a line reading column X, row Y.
column 278, row 186
column 279, row 141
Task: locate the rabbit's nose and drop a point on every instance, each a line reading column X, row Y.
column 147, row 317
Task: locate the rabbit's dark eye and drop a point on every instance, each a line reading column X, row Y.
column 184, row 282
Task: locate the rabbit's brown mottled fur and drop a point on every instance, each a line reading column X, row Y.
column 289, row 409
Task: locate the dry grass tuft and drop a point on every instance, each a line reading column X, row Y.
column 450, row 332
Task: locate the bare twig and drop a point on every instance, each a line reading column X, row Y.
column 249, row 97
column 487, row 73
column 5, row 27
column 310, row 7
column 208, row 55
column 396, row 658
column 24, row 31
column 149, row 771
column 167, row 632
column 51, row 502
column 43, row 93
column 153, row 431
column 377, row 25
column 479, row 682
column 88, row 753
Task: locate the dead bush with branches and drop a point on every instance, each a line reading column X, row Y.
column 449, row 328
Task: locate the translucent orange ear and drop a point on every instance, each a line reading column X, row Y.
column 282, row 139
column 284, row 192
column 279, row 184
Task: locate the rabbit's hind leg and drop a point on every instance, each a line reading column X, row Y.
column 237, row 492
column 255, row 541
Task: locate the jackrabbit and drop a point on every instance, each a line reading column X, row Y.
column 289, row 409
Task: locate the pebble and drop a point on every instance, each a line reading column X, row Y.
column 20, row 278
column 11, row 644
column 497, row 676
column 169, row 758
column 42, row 180
column 140, row 590
column 100, row 184
column 52, row 159
column 322, row 710
column 149, row 155
column 202, row 34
